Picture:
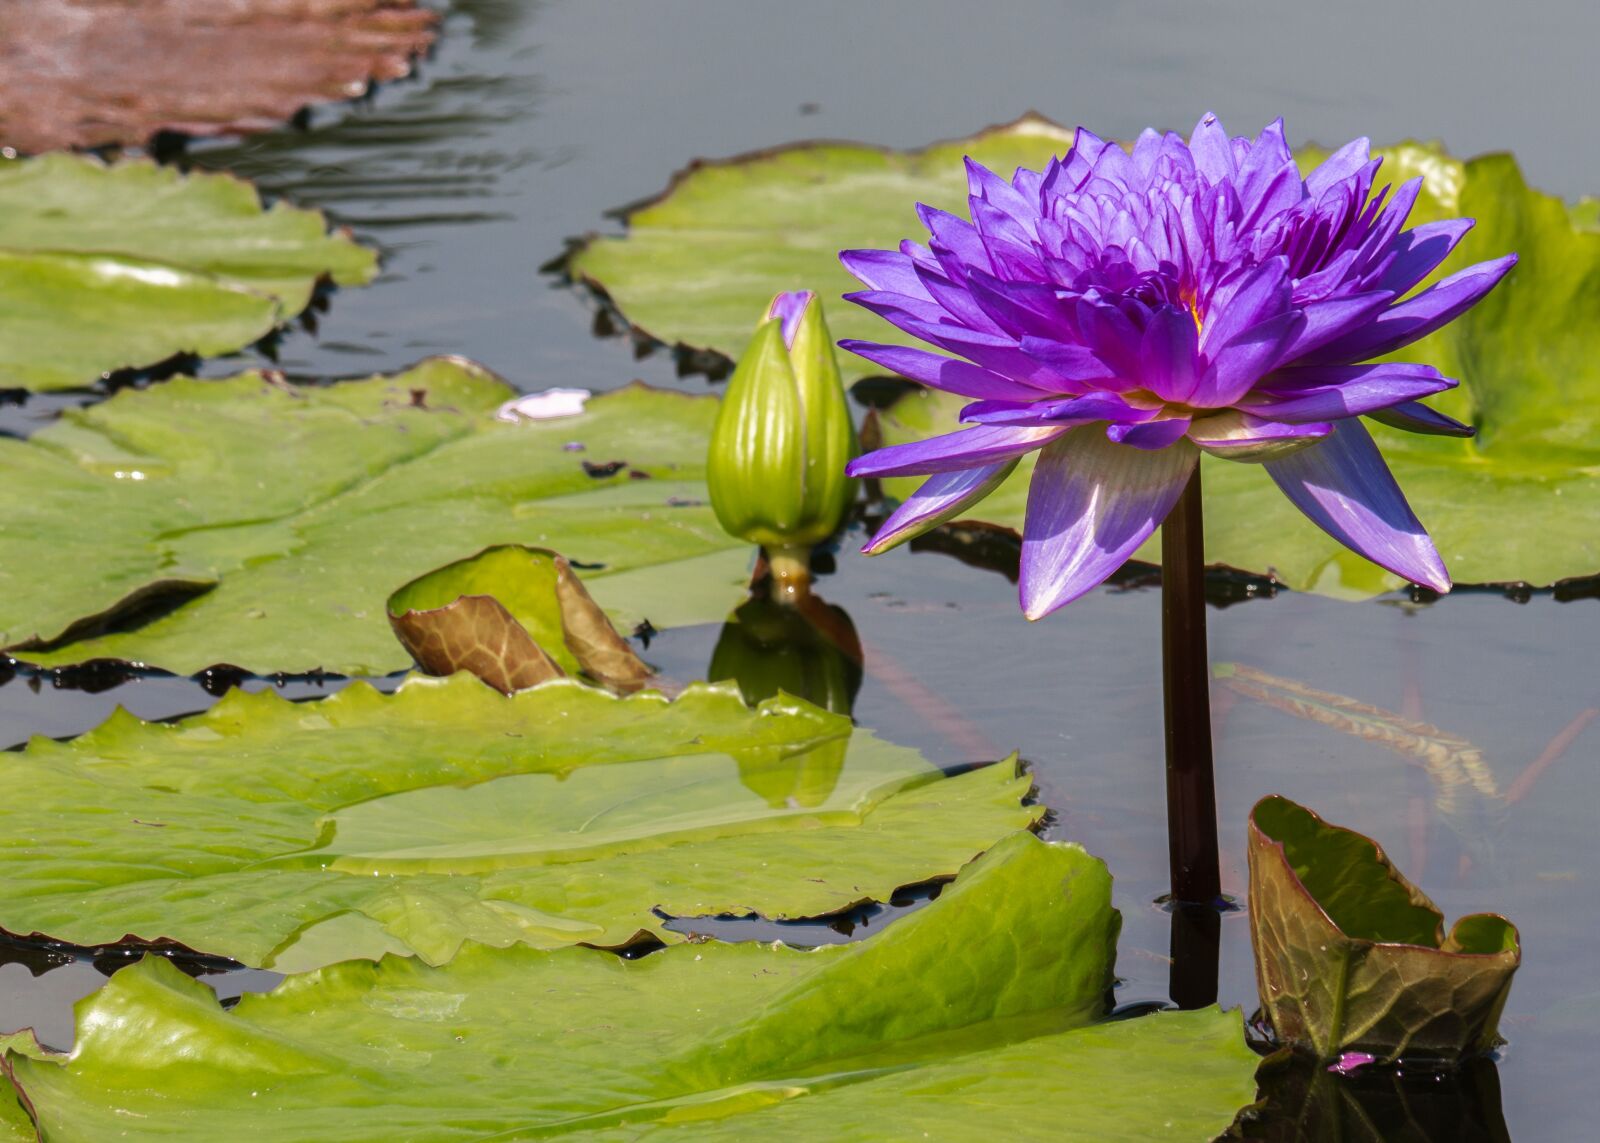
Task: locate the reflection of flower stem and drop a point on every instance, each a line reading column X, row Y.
column 1551, row 754
column 791, row 571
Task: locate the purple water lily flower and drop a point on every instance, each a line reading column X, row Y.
column 1123, row 313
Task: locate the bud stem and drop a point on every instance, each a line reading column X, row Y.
column 790, row 565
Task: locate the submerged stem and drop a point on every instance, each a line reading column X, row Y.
column 790, row 566
column 1191, row 785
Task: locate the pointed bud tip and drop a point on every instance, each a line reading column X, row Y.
column 789, row 308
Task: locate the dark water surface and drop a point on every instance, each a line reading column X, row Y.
column 533, row 118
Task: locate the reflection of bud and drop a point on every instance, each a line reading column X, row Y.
column 809, row 650
column 783, row 436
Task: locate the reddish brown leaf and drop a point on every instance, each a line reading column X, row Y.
column 91, row 73
column 477, row 634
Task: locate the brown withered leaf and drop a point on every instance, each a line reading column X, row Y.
column 601, row 650
column 515, row 617
column 92, row 73
column 477, row 634
column 1351, row 956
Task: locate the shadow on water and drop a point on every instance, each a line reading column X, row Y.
column 1305, row 1103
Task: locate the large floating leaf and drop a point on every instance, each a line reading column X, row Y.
column 297, row 511
column 728, row 235
column 87, row 73
column 289, row 835
column 1520, row 503
column 962, row 1021
column 121, row 266
column 1352, row 956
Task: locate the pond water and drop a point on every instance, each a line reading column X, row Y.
column 533, row 118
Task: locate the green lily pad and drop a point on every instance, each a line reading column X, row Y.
column 107, row 267
column 1351, row 956
column 727, row 235
column 1518, row 504
column 964, row 1021
column 291, row 836
column 264, row 526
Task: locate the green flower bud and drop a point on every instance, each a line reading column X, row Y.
column 783, row 434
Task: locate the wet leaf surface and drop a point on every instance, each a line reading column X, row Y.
column 514, row 617
column 727, row 235
column 291, row 835
column 121, row 266
column 264, row 526
column 1350, row 956
column 1521, row 503
column 93, row 73
column 965, row 1020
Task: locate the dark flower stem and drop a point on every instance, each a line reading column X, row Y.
column 1191, row 786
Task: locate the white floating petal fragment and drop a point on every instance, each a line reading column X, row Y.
column 548, row 405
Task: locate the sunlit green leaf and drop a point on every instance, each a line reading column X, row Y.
column 107, row 267
column 962, row 1021
column 697, row 262
column 286, row 516
column 290, row 836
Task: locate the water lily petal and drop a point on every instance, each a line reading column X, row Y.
column 1340, row 165
column 1342, row 484
column 1212, row 150
column 1091, row 504
column 943, row 496
column 1151, row 435
column 1168, row 352
column 1335, row 317
column 789, row 308
column 1418, row 251
column 966, row 448
column 1236, row 435
column 1096, row 406
column 1077, row 363
column 1328, row 392
column 887, row 270
column 1415, row 417
column 947, row 373
column 1416, row 317
column 1243, row 302
column 1245, row 360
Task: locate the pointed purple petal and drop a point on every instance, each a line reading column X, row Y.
column 1213, row 153
column 1417, row 317
column 1329, row 392
column 1100, row 406
column 1337, row 167
column 1151, row 435
column 1090, row 505
column 1249, row 299
column 1167, row 352
column 942, row 497
column 1342, row 484
column 965, row 448
column 1245, row 360
column 887, row 270
column 959, row 377
column 897, row 309
column 1418, row 252
column 1075, row 363
column 1415, row 417
column 789, row 308
column 1335, row 317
